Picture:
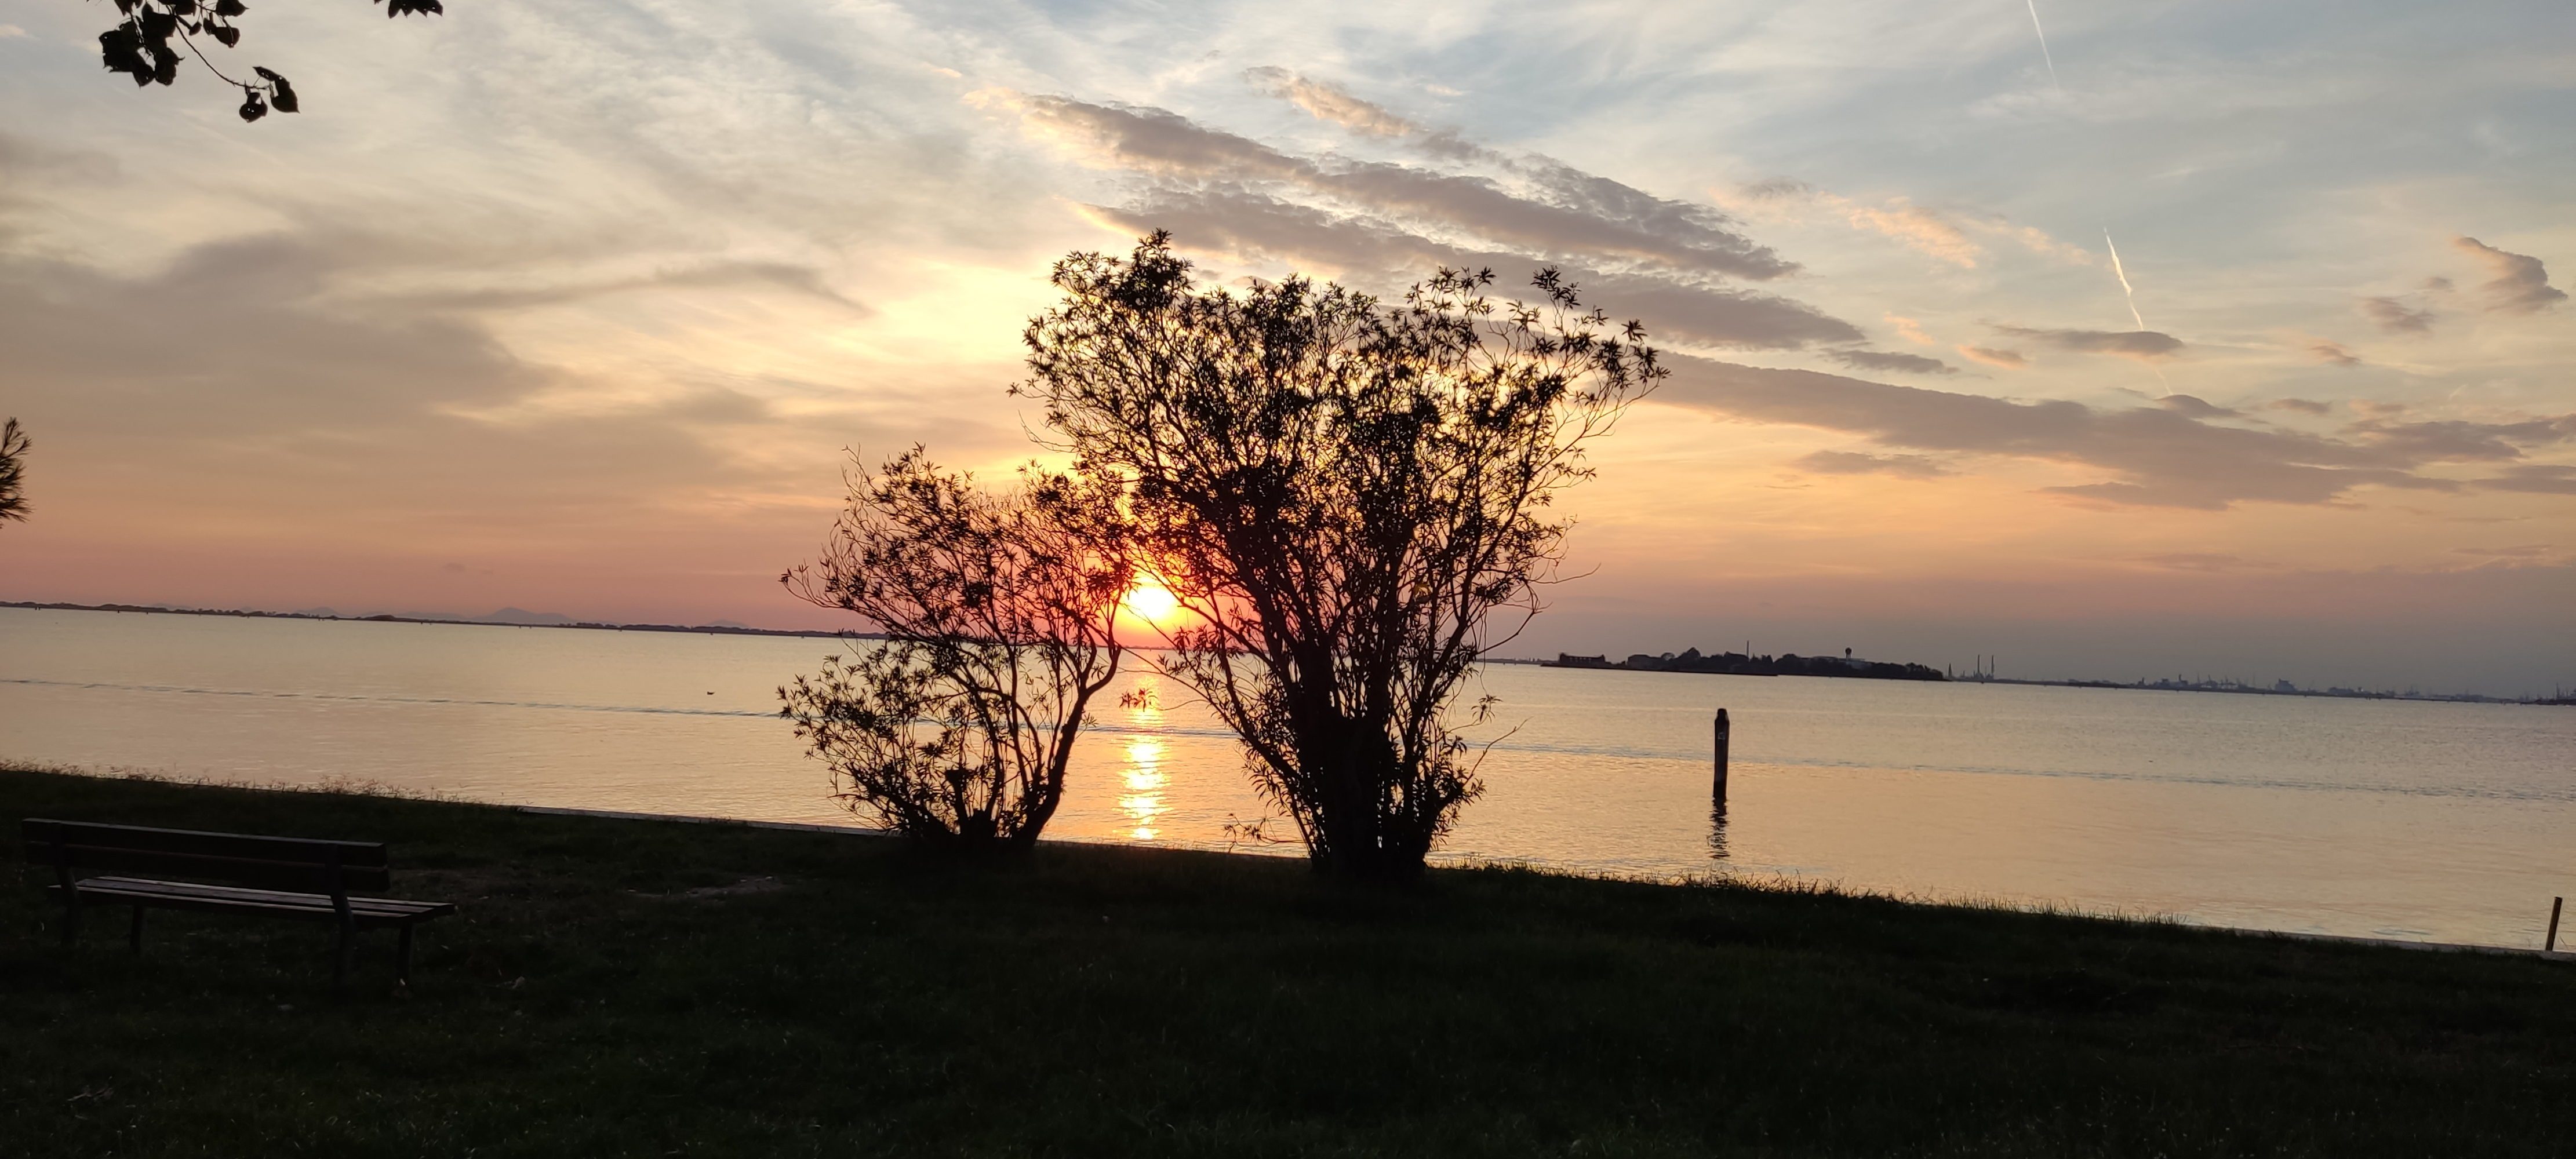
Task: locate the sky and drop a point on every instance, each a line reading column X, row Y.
column 583, row 307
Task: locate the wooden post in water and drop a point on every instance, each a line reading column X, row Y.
column 1717, row 790
column 2550, row 945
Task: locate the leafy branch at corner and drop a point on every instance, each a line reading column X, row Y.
column 13, row 472
column 141, row 47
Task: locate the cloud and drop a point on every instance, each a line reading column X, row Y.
column 2521, row 284
column 2523, row 551
column 2007, row 359
column 1921, row 229
column 796, row 279
column 1933, row 232
column 1910, row 330
column 2461, row 442
column 2195, row 407
column 2395, row 317
column 2153, row 456
column 1879, row 360
column 2200, row 562
column 1330, row 102
column 1856, row 463
column 2301, row 405
column 2142, row 345
column 1540, row 207
column 1333, row 104
column 1254, row 225
column 2036, row 240
column 2331, row 353
column 2535, row 479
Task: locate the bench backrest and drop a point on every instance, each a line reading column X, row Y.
column 295, row 863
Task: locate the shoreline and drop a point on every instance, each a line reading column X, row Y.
column 585, row 625
column 820, row 634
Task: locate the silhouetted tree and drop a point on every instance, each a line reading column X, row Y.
column 140, row 46
column 1346, row 494
column 13, row 472
column 999, row 611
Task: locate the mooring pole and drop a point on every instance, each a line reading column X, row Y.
column 2549, row 945
column 1717, row 790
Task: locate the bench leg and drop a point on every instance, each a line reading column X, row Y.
column 402, row 957
column 340, row 959
column 134, row 935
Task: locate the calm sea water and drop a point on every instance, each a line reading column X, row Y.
column 2449, row 822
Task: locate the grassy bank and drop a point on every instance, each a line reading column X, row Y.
column 617, row 987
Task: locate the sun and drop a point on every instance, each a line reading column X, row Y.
column 1152, row 603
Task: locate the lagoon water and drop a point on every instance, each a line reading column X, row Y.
column 2433, row 821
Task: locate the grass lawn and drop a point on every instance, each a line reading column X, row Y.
column 841, row 995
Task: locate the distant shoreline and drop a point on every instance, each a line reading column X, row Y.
column 706, row 629
column 1823, row 667
column 818, row 634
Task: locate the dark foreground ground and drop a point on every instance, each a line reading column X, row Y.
column 834, row 995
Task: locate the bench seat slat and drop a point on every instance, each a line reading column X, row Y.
column 128, row 890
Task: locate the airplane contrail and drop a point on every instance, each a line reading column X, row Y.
column 2123, row 275
column 2131, row 294
column 2044, row 54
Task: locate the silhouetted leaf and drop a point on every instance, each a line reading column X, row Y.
column 121, row 49
column 229, row 8
column 158, row 25
column 395, row 8
column 226, row 33
column 251, row 108
column 266, row 75
column 165, row 63
column 181, row 7
column 281, row 94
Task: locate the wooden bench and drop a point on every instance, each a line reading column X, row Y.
column 284, row 877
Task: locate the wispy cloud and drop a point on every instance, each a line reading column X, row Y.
column 1256, row 224
column 2201, row 561
column 2199, row 408
column 1885, row 361
column 1921, row 229
column 2395, row 317
column 2162, row 456
column 2006, row 359
column 1928, row 231
column 1858, row 463
column 1910, row 330
column 1331, row 102
column 2330, row 352
column 2301, row 405
column 2534, row 478
column 1538, row 206
column 2521, row 284
column 2143, row 345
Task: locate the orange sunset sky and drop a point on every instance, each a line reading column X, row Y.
column 574, row 307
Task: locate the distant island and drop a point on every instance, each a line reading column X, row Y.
column 1740, row 664
column 1845, row 665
